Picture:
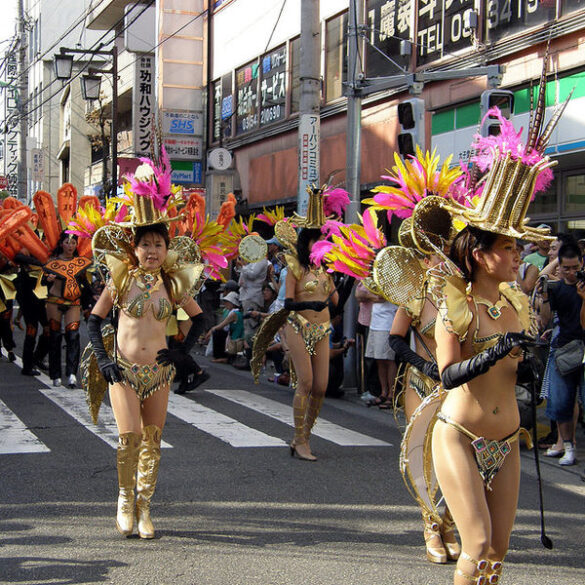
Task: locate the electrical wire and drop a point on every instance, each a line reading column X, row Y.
column 275, row 25
column 16, row 119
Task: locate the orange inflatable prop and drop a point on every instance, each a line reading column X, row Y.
column 47, row 217
column 26, row 238
column 66, row 203
column 227, row 211
column 13, row 220
column 88, row 199
column 12, row 203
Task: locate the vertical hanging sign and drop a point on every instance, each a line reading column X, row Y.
column 142, row 104
column 309, row 139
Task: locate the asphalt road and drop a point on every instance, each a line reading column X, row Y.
column 231, row 506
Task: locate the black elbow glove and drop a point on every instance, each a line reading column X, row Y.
column 403, row 351
column 196, row 330
column 108, row 368
column 291, row 305
column 183, row 362
column 462, row 372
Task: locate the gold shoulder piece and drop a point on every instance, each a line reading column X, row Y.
column 448, row 287
column 294, row 266
column 119, row 276
column 183, row 269
column 521, row 304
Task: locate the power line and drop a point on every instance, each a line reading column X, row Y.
column 131, row 63
column 97, row 44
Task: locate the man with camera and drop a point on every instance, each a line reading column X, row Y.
column 563, row 378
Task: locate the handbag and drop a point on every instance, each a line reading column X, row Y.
column 569, row 357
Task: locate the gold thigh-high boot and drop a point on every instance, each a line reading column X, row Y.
column 299, row 412
column 148, row 463
column 494, row 572
column 299, row 445
column 436, row 552
column 480, row 571
column 313, row 409
column 448, row 535
column 127, row 460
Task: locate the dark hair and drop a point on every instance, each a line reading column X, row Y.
column 59, row 247
column 465, row 242
column 306, row 235
column 155, row 228
column 569, row 250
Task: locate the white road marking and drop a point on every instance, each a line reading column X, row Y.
column 72, row 401
column 283, row 413
column 219, row 425
column 15, row 437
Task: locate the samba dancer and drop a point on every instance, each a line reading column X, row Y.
column 409, row 182
column 64, row 277
column 485, row 323
column 144, row 288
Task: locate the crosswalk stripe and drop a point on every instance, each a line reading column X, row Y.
column 14, row 435
column 219, row 425
column 283, row 413
column 72, row 401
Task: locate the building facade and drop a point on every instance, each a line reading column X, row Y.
column 254, row 90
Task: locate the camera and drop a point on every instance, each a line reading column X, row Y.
column 247, row 315
column 581, row 275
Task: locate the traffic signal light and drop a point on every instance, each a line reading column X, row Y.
column 411, row 115
column 504, row 100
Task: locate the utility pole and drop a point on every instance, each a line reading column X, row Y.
column 22, row 105
column 309, row 103
column 352, row 164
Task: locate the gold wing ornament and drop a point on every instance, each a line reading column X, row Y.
column 264, row 336
column 253, row 248
column 286, row 234
column 416, row 459
column 400, row 276
column 92, row 381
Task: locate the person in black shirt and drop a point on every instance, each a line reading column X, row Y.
column 564, row 298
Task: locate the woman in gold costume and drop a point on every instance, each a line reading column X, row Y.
column 308, row 292
column 420, row 379
column 147, row 283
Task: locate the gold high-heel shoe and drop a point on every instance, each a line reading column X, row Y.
column 494, row 572
column 436, row 552
column 448, row 535
column 303, row 457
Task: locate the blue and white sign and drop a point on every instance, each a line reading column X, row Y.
column 185, row 123
column 188, row 173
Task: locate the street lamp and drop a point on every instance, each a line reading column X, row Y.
column 90, row 89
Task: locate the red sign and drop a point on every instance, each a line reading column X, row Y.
column 3, row 183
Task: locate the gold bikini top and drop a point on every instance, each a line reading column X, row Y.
column 182, row 278
column 148, row 283
column 449, row 290
column 312, row 284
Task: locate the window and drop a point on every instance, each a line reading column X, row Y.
column 574, row 193
column 335, row 56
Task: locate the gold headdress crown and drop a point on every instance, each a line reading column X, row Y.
column 514, row 169
column 315, row 217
